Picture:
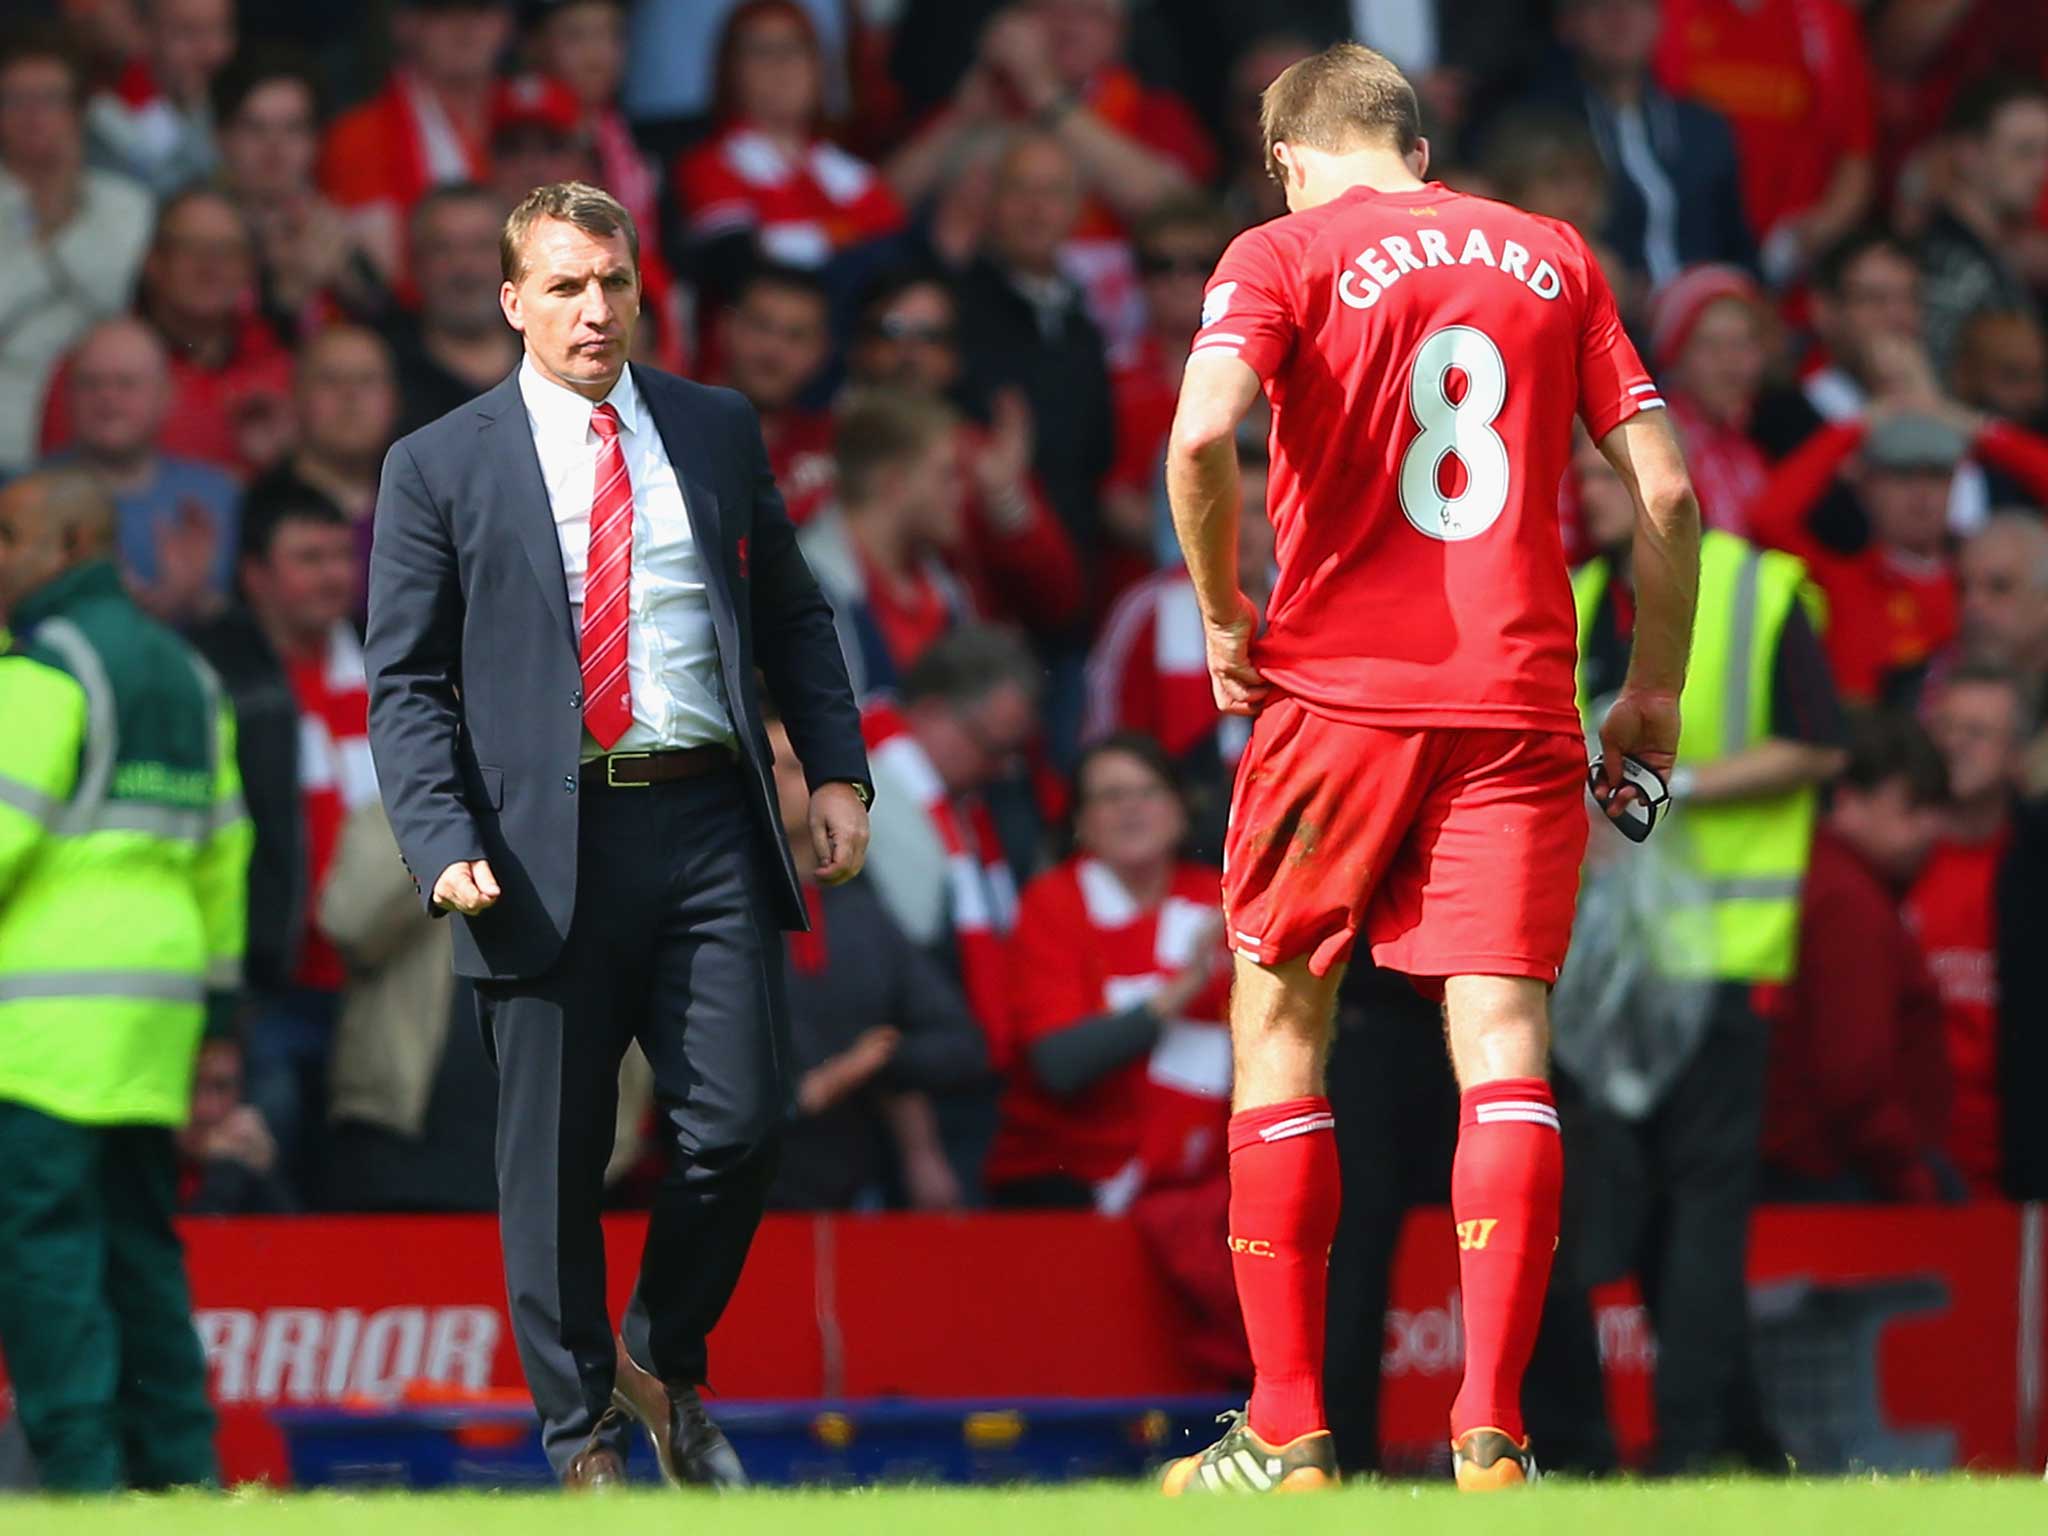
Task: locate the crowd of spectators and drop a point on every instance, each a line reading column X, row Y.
column 953, row 252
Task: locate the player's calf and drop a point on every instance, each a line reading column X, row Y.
column 1283, row 1190
column 1505, row 1185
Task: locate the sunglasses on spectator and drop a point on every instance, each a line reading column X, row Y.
column 1175, row 264
column 911, row 330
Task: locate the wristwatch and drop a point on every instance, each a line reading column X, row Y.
column 861, row 792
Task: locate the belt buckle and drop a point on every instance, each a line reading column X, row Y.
column 611, row 773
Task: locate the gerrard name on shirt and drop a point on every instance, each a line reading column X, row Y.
column 1382, row 264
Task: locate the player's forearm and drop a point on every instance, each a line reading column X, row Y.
column 1202, row 486
column 1666, row 570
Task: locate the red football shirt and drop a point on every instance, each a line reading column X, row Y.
column 1425, row 353
column 1791, row 76
column 1952, row 911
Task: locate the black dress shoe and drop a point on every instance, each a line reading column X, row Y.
column 692, row 1451
column 703, row 1456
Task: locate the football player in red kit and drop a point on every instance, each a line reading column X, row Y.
column 1417, row 763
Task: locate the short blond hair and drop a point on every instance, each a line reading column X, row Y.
column 1338, row 99
column 591, row 209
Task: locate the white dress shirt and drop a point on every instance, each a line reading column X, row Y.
column 671, row 651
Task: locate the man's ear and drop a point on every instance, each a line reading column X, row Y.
column 508, row 302
column 1292, row 172
column 1418, row 159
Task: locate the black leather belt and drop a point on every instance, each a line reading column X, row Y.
column 639, row 770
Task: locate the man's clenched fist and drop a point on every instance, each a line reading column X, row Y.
column 466, row 886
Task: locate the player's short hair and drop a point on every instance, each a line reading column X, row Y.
column 1977, row 108
column 591, row 209
column 1888, row 744
column 877, row 429
column 965, row 666
column 1336, row 99
column 1831, row 268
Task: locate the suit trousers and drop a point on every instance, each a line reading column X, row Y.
column 674, row 942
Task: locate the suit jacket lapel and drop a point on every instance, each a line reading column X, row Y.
column 508, row 448
column 689, row 453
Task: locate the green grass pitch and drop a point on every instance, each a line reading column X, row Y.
column 1888, row 1507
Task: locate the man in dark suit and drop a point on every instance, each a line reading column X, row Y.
column 574, row 579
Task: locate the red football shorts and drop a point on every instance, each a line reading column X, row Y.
column 1455, row 850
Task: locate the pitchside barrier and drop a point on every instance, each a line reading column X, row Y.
column 1889, row 1338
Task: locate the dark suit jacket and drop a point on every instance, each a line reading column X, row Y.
column 476, row 695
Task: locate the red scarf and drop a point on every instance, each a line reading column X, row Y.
column 981, row 892
column 1729, row 471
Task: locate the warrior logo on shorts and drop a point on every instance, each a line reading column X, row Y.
column 1216, row 302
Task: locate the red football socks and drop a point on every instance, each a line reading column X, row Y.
column 1283, row 1215
column 1505, row 1183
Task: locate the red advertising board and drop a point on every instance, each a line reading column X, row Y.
column 304, row 1311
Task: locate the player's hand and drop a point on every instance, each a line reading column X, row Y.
column 1642, row 724
column 1238, row 687
column 466, row 886
column 839, row 833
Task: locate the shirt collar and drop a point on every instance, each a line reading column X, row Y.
column 96, row 578
column 557, row 409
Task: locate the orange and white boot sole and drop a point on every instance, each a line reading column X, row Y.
column 1184, row 1476
column 1486, row 1460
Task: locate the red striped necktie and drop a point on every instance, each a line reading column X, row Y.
column 608, row 573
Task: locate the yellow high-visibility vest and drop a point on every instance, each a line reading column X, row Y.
column 1749, row 855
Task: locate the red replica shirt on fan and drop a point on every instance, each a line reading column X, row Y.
column 1791, row 77
column 336, row 777
column 1082, row 947
column 1425, row 353
column 1952, row 913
